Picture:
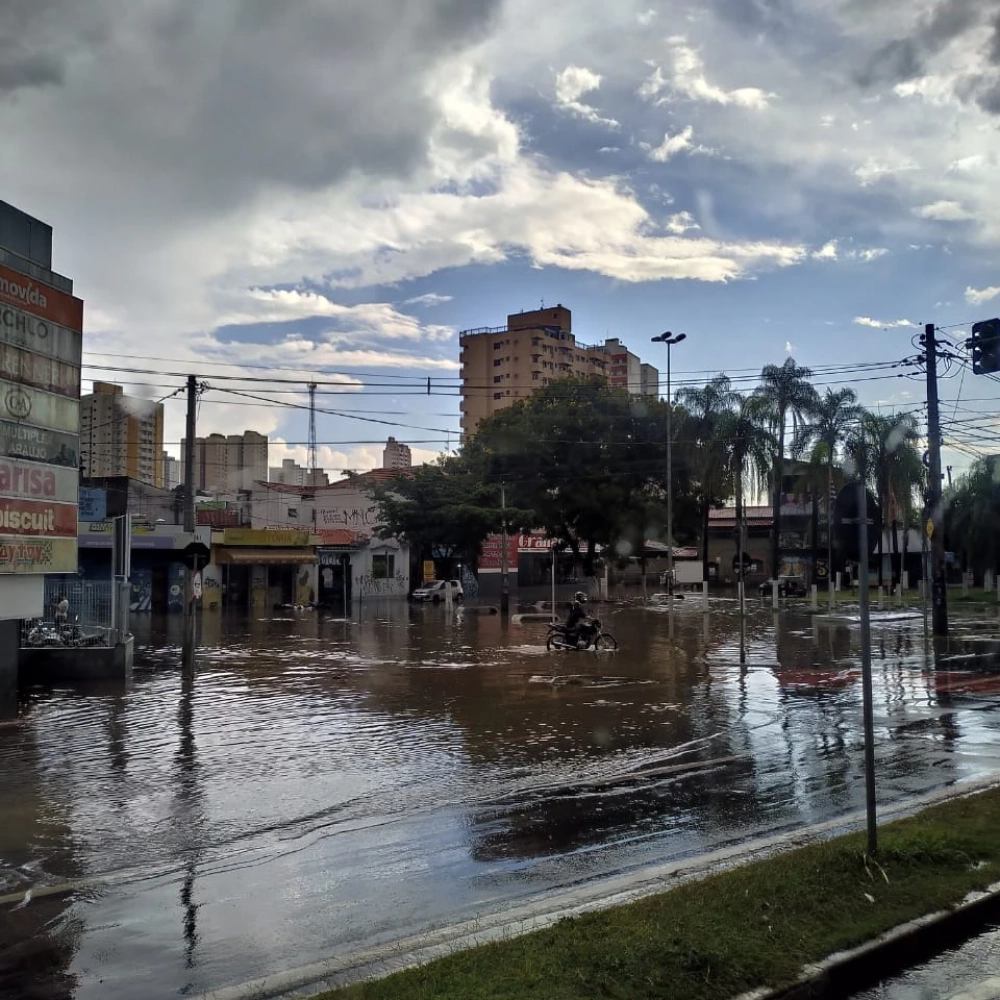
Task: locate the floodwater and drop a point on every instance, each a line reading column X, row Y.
column 326, row 785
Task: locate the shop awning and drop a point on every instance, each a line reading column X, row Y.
column 265, row 557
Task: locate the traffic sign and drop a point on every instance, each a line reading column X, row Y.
column 196, row 586
column 930, row 528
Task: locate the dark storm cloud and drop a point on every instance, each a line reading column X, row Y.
column 214, row 101
column 905, row 58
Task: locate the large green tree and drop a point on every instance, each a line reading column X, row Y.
column 581, row 459
column 443, row 510
column 972, row 515
column 786, row 395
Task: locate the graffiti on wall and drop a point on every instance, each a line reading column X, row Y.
column 392, row 586
column 356, row 518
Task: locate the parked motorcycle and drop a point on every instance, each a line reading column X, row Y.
column 40, row 633
column 588, row 633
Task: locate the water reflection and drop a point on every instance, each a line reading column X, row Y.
column 325, row 784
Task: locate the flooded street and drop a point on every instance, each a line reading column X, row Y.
column 326, row 785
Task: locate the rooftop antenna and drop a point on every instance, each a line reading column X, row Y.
column 311, row 461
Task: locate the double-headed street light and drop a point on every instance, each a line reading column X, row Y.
column 669, row 339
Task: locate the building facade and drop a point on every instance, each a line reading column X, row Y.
column 396, row 455
column 500, row 365
column 228, row 464
column 290, row 473
column 171, row 472
column 41, row 345
column 121, row 435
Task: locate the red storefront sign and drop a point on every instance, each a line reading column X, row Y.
column 37, row 517
column 39, row 299
column 491, row 554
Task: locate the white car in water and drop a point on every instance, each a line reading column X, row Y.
column 435, row 591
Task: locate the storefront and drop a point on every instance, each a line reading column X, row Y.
column 258, row 568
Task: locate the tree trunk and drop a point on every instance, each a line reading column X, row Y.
column 897, row 566
column 779, row 475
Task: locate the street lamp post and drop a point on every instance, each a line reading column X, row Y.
column 669, row 339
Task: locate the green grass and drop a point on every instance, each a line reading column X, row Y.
column 716, row 937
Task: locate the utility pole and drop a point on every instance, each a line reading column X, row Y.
column 866, row 663
column 312, row 460
column 939, row 585
column 190, row 620
column 504, row 582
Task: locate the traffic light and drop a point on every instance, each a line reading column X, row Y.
column 985, row 347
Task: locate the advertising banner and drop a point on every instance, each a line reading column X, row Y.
column 39, row 445
column 38, row 482
column 21, row 329
column 43, row 409
column 22, row 554
column 37, row 517
column 38, row 371
column 39, row 299
column 93, row 504
column 491, row 554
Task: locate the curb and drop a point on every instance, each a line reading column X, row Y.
column 915, row 942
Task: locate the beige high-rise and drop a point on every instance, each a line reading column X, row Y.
column 501, row 365
column 121, row 435
column 228, row 464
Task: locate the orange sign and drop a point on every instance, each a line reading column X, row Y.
column 39, row 299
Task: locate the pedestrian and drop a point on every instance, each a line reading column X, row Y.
column 62, row 610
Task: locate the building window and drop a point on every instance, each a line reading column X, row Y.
column 497, row 362
column 534, row 376
column 497, row 378
column 383, row 565
column 498, row 345
column 498, row 395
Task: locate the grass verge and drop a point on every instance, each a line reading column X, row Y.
column 714, row 938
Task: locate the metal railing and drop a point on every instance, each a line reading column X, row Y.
column 88, row 622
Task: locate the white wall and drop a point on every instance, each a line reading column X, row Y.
column 365, row 586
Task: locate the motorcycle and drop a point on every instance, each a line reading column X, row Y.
column 588, row 633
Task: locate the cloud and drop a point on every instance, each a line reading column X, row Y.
column 880, row 324
column 681, row 222
column 944, row 211
column 977, row 296
column 872, row 253
column 687, row 79
column 789, row 347
column 428, row 299
column 571, row 84
column 826, row 252
column 672, row 145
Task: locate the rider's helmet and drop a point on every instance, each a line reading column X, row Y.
column 580, row 597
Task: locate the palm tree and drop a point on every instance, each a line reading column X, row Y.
column 836, row 415
column 750, row 450
column 707, row 408
column 785, row 392
column 886, row 449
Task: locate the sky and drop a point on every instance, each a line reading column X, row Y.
column 333, row 190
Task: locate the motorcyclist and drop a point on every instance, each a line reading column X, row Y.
column 577, row 614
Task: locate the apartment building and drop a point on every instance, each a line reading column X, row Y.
column 228, row 464
column 121, row 435
column 396, row 455
column 503, row 364
column 172, row 475
column 290, row 473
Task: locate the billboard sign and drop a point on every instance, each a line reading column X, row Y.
column 37, row 517
column 44, row 409
column 38, row 482
column 39, row 371
column 285, row 538
column 93, row 504
column 24, row 554
column 42, row 300
column 38, row 444
column 21, row 329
